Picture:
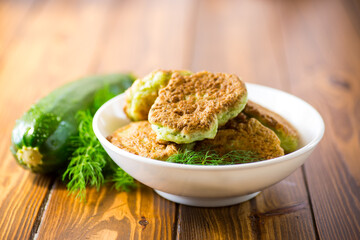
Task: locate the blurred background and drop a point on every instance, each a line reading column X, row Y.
column 259, row 40
column 308, row 48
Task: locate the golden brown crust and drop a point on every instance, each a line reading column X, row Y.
column 191, row 103
column 244, row 134
column 147, row 100
column 140, row 139
column 233, row 123
column 270, row 119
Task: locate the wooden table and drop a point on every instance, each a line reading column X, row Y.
column 308, row 48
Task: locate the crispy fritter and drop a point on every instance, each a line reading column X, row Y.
column 142, row 94
column 190, row 108
column 140, row 139
column 288, row 135
column 246, row 134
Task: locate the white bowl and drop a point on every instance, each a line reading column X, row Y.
column 213, row 186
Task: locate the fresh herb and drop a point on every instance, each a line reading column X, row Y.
column 88, row 159
column 211, row 157
column 122, row 180
column 89, row 164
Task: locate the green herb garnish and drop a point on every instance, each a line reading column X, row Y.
column 88, row 159
column 89, row 164
column 211, row 157
column 122, row 180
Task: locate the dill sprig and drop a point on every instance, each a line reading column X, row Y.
column 122, row 180
column 88, row 159
column 211, row 157
column 89, row 163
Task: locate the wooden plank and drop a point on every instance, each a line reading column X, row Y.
column 22, row 192
column 12, row 14
column 275, row 212
column 39, row 60
column 135, row 37
column 107, row 214
column 322, row 45
column 143, row 36
column 245, row 38
column 215, row 223
column 22, row 196
column 43, row 55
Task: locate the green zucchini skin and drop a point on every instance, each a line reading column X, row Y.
column 44, row 131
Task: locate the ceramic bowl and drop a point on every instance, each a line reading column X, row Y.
column 213, row 186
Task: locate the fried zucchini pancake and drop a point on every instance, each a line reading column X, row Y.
column 191, row 107
column 287, row 134
column 140, row 139
column 142, row 94
column 243, row 133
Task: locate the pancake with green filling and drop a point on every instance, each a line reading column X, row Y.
column 140, row 139
column 142, row 94
column 243, row 133
column 192, row 107
column 287, row 134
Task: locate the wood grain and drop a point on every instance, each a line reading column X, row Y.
column 22, row 193
column 47, row 58
column 279, row 212
column 247, row 36
column 107, row 214
column 308, row 48
column 323, row 56
column 130, row 40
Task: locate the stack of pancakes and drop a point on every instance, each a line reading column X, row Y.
column 176, row 110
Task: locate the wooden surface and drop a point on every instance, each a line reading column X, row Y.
column 308, row 48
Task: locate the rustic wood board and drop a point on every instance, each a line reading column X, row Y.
column 42, row 48
column 127, row 22
column 275, row 213
column 324, row 68
column 107, row 214
column 311, row 49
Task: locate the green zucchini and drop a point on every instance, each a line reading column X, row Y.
column 40, row 138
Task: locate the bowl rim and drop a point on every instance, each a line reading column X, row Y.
column 308, row 147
